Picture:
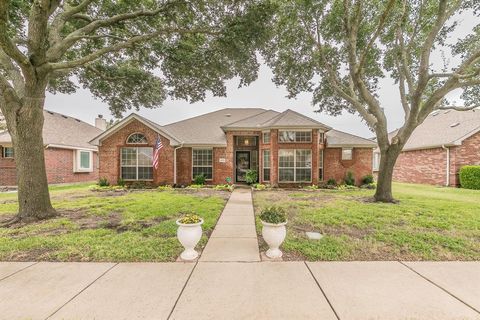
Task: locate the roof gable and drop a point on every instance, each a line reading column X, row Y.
column 336, row 139
column 290, row 118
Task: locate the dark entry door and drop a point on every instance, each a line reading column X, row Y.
column 242, row 165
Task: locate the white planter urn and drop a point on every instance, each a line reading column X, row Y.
column 274, row 235
column 189, row 234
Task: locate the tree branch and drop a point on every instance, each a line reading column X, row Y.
column 458, row 108
column 5, row 43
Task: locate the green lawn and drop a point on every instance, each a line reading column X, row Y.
column 107, row 226
column 429, row 223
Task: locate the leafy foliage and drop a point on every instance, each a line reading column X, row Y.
column 470, row 177
column 190, row 218
column 103, row 182
column 349, row 179
column 251, row 176
column 199, row 179
column 273, row 214
column 368, row 179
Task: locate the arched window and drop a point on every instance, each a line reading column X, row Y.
column 136, row 138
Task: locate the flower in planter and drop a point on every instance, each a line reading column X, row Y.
column 190, row 218
column 273, row 214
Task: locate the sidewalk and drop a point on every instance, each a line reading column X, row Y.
column 230, row 282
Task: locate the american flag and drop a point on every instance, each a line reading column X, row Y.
column 156, row 152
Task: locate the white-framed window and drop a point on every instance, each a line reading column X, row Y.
column 294, row 165
column 266, row 137
column 8, row 152
column 347, row 153
column 137, row 138
column 376, row 161
column 320, row 166
column 246, row 141
column 294, row 136
column 136, row 163
column 321, row 137
column 83, row 161
column 202, row 163
column 266, row 165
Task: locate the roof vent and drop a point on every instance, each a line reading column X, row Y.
column 228, row 115
column 453, row 125
column 435, row 113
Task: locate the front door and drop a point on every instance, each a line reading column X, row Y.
column 242, row 165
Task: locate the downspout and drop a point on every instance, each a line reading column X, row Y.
column 175, row 164
column 447, row 183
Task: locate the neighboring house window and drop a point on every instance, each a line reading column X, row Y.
column 347, row 153
column 376, row 161
column 8, row 152
column 136, row 138
column 266, row 137
column 83, row 161
column 137, row 163
column 202, row 163
column 266, row 165
column 294, row 136
column 295, row 165
column 320, row 166
column 321, row 137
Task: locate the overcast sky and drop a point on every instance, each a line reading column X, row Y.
column 262, row 93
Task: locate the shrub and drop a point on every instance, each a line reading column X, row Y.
column 138, row 185
column 368, row 179
column 470, row 177
column 273, row 214
column 224, row 187
column 190, row 218
column 251, row 176
column 349, row 179
column 199, row 179
column 165, row 188
column 331, row 182
column 103, row 182
column 259, row 186
column 121, row 182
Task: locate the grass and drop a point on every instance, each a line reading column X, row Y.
column 107, row 226
column 429, row 223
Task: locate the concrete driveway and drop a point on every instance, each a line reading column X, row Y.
column 240, row 290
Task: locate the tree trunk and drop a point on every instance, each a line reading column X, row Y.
column 33, row 195
column 383, row 192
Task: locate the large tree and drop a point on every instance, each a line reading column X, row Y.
column 3, row 125
column 341, row 49
column 129, row 53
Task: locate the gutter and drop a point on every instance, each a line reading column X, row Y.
column 447, row 182
column 175, row 163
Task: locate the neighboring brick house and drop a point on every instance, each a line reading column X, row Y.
column 69, row 157
column 285, row 148
column 444, row 142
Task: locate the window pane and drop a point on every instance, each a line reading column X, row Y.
column 129, row 173
column 320, row 160
column 266, row 137
column 145, row 156
column 137, row 138
column 286, row 136
column 145, row 173
column 286, row 175
column 206, row 171
column 304, row 158
column 303, row 136
column 266, row 158
column 266, row 174
column 303, row 175
column 347, row 154
column 202, row 157
column 286, row 158
column 129, row 156
column 8, row 152
column 84, row 160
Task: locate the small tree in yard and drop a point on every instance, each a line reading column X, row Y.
column 340, row 49
column 128, row 53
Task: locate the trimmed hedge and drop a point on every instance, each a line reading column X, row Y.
column 470, row 177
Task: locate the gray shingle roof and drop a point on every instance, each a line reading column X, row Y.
column 444, row 128
column 255, row 121
column 206, row 129
column 290, row 118
column 61, row 130
column 337, row 138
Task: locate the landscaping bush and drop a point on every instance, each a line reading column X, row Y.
column 199, row 179
column 224, row 187
column 470, row 177
column 103, row 182
column 349, row 179
column 121, row 182
column 273, row 214
column 165, row 188
column 331, row 182
column 368, row 179
column 138, row 185
column 251, row 176
column 259, row 186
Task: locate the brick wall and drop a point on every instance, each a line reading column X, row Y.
column 429, row 166
column 59, row 168
column 184, row 166
column 336, row 168
column 109, row 153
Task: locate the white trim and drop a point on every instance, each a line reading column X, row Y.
column 269, row 164
column 351, row 154
column 142, row 143
column 3, row 152
column 77, row 161
column 289, row 130
column 136, row 165
column 295, row 166
column 59, row 146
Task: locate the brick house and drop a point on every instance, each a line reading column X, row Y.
column 284, row 148
column 438, row 148
column 69, row 157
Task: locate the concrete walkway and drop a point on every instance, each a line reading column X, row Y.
column 239, row 290
column 234, row 238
